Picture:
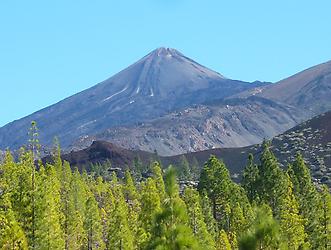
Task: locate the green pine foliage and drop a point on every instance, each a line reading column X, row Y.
column 230, row 205
column 171, row 225
column 271, row 181
column 291, row 222
column 309, row 200
column 150, row 206
column 197, row 222
column 120, row 235
column 263, row 232
column 326, row 218
column 207, row 213
column 215, row 180
column 54, row 206
column 223, row 243
column 48, row 232
column 92, row 225
column 11, row 234
column 158, row 177
column 250, row 180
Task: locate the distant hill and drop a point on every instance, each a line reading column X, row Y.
column 309, row 90
column 100, row 152
column 312, row 138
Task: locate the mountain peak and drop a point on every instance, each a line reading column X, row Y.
column 165, row 52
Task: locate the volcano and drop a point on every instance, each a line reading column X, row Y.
column 162, row 82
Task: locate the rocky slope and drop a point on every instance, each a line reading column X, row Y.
column 312, row 138
column 234, row 123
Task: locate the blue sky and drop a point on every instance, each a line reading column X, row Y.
column 50, row 50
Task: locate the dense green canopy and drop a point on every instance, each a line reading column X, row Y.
column 54, row 207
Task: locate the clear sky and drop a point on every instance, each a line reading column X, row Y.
column 50, row 50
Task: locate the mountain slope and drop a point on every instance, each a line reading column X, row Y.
column 163, row 81
column 309, row 90
column 312, row 138
column 234, row 123
column 242, row 119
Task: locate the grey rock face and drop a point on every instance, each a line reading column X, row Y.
column 236, row 124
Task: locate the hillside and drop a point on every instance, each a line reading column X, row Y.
column 101, row 152
column 234, row 123
column 312, row 138
column 309, row 90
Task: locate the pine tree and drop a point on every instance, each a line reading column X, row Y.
column 139, row 167
column 326, row 218
column 310, row 204
column 23, row 195
column 215, row 180
column 119, row 235
column 291, row 223
column 223, row 242
column 48, row 232
column 158, row 177
column 230, row 205
column 237, row 220
column 170, row 229
column 134, row 206
column 79, row 193
column 250, row 180
column 11, row 234
column 208, row 215
column 56, row 156
column 34, row 149
column 92, row 225
column 272, row 182
column 263, row 232
column 67, row 205
column 197, row 223
column 71, row 221
column 241, row 210
column 129, row 189
column 150, row 206
column 105, row 198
